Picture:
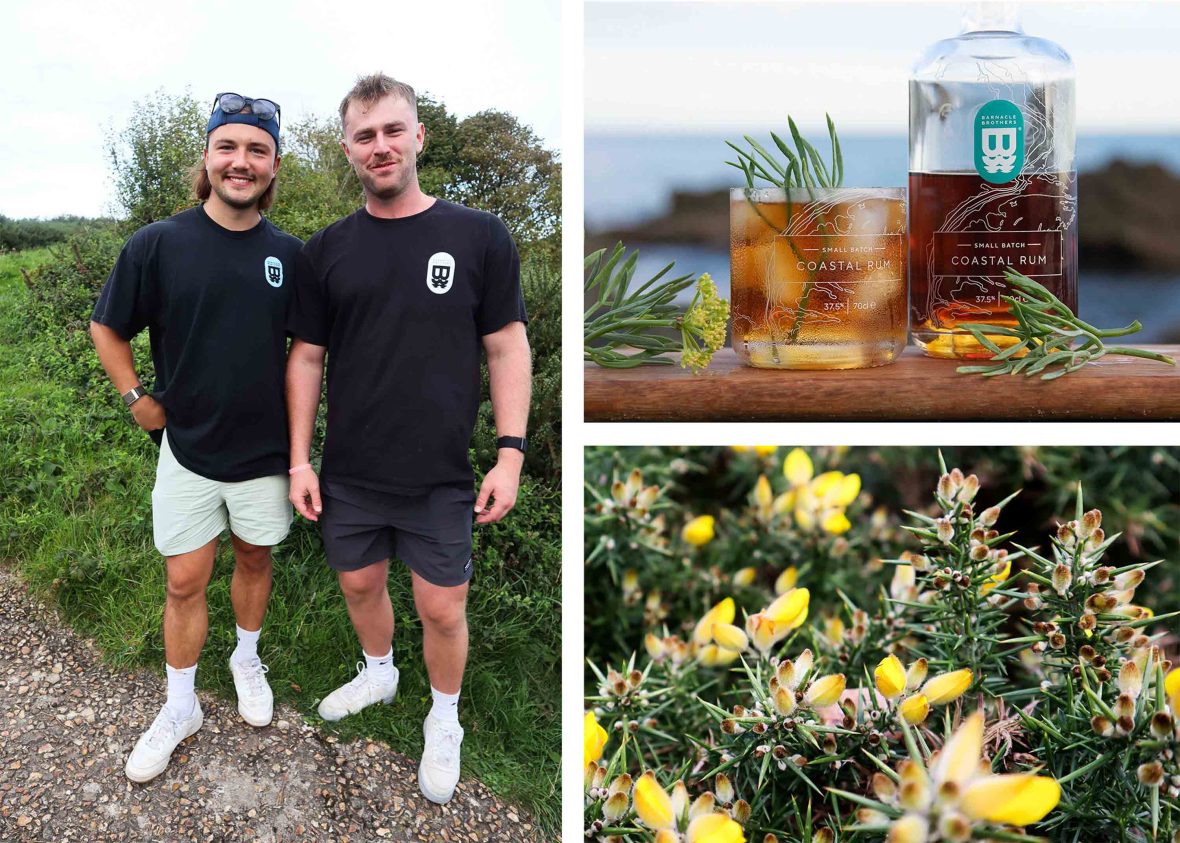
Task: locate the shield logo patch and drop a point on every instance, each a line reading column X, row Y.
column 440, row 272
column 274, row 272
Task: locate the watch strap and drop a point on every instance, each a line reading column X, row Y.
column 134, row 394
column 520, row 443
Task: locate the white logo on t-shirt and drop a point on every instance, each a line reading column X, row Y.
column 274, row 271
column 440, row 272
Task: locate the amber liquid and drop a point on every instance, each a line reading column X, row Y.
column 965, row 231
column 822, row 288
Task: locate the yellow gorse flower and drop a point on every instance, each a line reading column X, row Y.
column 787, row 580
column 947, row 687
column 652, row 804
column 914, row 709
column 890, row 677
column 594, row 739
column 966, row 791
column 723, row 613
column 699, row 531
column 797, row 468
column 825, row 691
column 715, row 828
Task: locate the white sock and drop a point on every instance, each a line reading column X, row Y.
column 247, row 645
column 446, row 706
column 182, row 696
column 380, row 667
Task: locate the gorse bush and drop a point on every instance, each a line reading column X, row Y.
column 971, row 681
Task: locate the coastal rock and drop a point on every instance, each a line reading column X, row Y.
column 1129, row 220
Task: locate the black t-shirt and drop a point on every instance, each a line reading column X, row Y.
column 214, row 302
column 401, row 305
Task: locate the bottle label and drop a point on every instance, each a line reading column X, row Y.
column 999, row 141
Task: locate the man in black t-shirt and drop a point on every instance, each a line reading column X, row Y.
column 401, row 297
column 211, row 285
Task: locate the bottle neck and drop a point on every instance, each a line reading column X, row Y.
column 991, row 16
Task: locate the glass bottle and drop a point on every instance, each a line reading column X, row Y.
column 992, row 178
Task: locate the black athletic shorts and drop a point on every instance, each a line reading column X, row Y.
column 430, row 531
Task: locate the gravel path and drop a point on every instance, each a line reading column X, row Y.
column 68, row 721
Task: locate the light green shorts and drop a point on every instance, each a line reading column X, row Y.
column 189, row 511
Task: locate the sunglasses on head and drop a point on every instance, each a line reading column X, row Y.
column 236, row 103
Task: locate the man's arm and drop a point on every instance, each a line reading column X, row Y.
column 510, row 377
column 114, row 353
column 305, row 374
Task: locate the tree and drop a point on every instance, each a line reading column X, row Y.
column 151, row 158
column 501, row 166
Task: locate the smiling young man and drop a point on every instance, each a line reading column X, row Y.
column 401, row 297
column 211, row 285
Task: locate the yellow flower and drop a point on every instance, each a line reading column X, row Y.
column 947, row 687
column 1014, row 799
column 723, row 612
column 594, row 738
column 834, row 630
column 730, row 637
column 765, row 450
column 836, row 523
column 914, row 709
column 1172, row 683
column 786, row 580
column 909, row 829
column 699, row 531
column 825, row 690
column 763, row 496
column 995, row 579
column 745, row 576
column 790, row 609
column 958, row 762
column 890, row 677
column 797, row 468
column 715, row 828
column 652, row 803
column 713, row 656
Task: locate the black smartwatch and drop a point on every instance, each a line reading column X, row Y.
column 520, row 443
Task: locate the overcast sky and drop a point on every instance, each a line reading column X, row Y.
column 699, row 67
column 70, row 68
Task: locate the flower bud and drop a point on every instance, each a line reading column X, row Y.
column 1091, row 521
column 1151, row 774
column 741, row 811
column 989, row 516
column 723, row 789
column 1103, row 574
column 947, row 488
column 916, row 674
column 1130, row 580
column 970, row 488
column 1102, row 726
column 945, row 530
column 1087, row 622
column 1056, row 640
column 1124, row 706
column 616, row 806
column 703, row 804
column 884, row 787
column 1162, row 724
column 1130, row 679
column 1100, row 602
column 1062, row 579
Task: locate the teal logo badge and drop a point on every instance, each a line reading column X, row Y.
column 274, row 272
column 999, row 141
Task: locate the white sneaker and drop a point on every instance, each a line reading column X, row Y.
column 256, row 702
column 360, row 692
column 154, row 747
column 438, row 773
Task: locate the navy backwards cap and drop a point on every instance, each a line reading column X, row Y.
column 220, row 118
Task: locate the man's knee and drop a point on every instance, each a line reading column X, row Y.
column 363, row 583
column 444, row 616
column 185, row 586
column 254, row 558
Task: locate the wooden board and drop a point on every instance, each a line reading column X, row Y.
column 914, row 388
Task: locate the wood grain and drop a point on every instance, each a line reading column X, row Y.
column 914, row 388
